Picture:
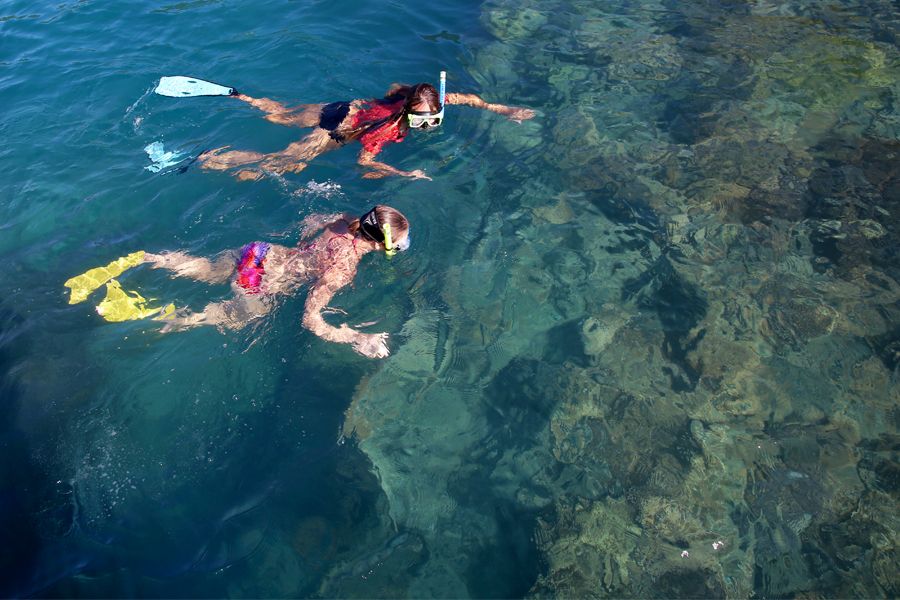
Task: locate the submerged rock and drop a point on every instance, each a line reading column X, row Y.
column 576, row 133
column 510, row 24
column 599, row 330
column 676, row 334
column 592, row 548
column 494, row 66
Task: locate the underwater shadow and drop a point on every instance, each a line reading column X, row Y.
column 30, row 512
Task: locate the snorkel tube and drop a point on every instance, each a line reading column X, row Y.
column 379, row 232
column 389, row 248
column 443, row 88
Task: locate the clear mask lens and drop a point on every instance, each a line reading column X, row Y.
column 425, row 120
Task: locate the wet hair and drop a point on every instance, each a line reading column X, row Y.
column 423, row 92
column 383, row 214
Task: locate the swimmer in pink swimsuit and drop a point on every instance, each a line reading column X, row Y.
column 373, row 123
column 261, row 273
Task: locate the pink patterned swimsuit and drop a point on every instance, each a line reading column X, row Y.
column 250, row 267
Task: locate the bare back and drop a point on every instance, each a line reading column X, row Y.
column 330, row 258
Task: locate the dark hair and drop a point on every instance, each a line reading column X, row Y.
column 423, row 92
column 384, row 215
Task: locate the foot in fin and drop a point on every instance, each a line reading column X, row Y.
column 219, row 160
column 183, row 168
column 123, row 305
column 84, row 285
column 179, row 320
column 179, row 86
column 160, row 158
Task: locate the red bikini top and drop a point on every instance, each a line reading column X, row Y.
column 374, row 139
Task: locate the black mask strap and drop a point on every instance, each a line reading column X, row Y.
column 370, row 227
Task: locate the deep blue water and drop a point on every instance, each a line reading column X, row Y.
column 660, row 317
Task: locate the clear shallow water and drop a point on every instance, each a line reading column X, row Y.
column 661, row 315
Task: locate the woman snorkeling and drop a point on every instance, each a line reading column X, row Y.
column 373, row 123
column 260, row 271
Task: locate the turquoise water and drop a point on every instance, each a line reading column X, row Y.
column 643, row 345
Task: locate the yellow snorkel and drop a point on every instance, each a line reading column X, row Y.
column 388, row 242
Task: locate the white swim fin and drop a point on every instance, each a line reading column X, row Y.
column 179, row 86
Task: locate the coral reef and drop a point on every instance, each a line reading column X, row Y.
column 675, row 350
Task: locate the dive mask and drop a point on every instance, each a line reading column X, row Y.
column 419, row 119
column 425, row 119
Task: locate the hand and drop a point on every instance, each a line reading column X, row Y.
column 519, row 114
column 373, row 345
column 418, row 174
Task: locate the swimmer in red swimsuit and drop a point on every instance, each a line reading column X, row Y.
column 373, row 123
column 260, row 273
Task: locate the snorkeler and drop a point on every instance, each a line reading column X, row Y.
column 373, row 123
column 260, row 271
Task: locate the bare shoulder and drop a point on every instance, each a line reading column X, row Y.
column 335, row 238
column 338, row 224
column 337, row 262
column 311, row 224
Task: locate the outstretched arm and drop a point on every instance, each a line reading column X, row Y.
column 276, row 112
column 514, row 113
column 373, row 345
column 380, row 169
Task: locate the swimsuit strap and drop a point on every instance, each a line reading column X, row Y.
column 353, row 240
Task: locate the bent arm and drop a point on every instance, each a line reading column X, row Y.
column 380, row 169
column 319, row 297
column 373, row 345
column 276, row 112
column 514, row 113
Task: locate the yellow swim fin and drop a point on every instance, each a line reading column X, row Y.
column 83, row 285
column 123, row 305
